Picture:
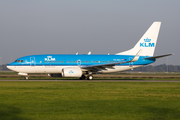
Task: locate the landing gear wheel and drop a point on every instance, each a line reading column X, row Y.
column 26, row 77
column 90, row 77
column 83, row 77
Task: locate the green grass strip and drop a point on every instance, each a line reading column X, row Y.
column 88, row 100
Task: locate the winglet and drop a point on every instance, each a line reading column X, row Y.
column 89, row 53
column 136, row 57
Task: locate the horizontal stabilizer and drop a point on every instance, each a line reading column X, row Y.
column 158, row 56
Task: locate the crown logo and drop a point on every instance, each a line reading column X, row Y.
column 49, row 58
column 147, row 40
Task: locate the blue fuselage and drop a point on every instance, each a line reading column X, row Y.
column 77, row 60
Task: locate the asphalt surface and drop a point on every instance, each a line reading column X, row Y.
column 100, row 80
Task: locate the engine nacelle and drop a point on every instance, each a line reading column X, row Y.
column 71, row 72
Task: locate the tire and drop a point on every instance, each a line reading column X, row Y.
column 90, row 77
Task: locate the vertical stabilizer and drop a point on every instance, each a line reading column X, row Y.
column 147, row 42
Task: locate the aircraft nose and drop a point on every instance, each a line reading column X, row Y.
column 9, row 67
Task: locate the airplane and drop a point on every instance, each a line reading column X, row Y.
column 84, row 66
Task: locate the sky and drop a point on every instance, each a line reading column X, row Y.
column 29, row 27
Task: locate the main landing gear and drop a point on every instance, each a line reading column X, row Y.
column 83, row 77
column 26, row 77
column 90, row 77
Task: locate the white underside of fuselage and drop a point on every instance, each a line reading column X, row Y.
column 58, row 69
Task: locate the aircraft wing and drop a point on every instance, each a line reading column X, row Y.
column 102, row 66
column 109, row 65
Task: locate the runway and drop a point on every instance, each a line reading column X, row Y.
column 96, row 80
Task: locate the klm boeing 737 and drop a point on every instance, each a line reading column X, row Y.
column 84, row 66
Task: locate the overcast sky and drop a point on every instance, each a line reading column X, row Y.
column 101, row 26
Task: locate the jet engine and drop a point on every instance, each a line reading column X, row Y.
column 71, row 72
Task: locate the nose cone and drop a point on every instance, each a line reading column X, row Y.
column 9, row 67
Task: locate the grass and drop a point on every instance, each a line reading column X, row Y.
column 89, row 100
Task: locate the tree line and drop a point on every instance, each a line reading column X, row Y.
column 158, row 68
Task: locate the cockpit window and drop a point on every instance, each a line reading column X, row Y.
column 18, row 61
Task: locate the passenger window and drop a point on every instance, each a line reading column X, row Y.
column 40, row 61
column 67, row 61
column 62, row 61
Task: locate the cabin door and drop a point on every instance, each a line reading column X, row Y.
column 79, row 62
column 33, row 62
column 130, row 63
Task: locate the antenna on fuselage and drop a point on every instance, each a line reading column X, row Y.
column 89, row 53
column 77, row 53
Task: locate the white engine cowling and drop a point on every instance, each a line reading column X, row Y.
column 71, row 72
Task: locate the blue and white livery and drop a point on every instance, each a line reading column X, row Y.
column 84, row 66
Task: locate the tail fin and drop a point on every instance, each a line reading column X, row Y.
column 147, row 42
